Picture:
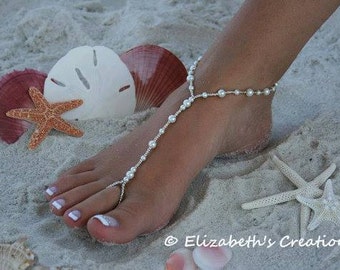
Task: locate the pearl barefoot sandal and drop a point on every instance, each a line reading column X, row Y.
column 221, row 93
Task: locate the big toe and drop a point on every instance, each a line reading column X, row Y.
column 131, row 218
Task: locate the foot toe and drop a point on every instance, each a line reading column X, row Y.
column 130, row 219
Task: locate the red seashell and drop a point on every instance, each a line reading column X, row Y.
column 14, row 94
column 156, row 72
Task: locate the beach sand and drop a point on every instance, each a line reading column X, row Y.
column 306, row 135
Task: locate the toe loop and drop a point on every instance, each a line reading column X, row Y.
column 122, row 188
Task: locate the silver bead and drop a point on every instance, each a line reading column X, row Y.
column 172, row 119
column 182, row 107
column 249, row 92
column 195, row 63
column 237, row 92
column 125, row 179
column 221, row 93
column 266, row 92
column 204, row 94
column 192, row 67
column 152, row 144
column 191, row 99
column 143, row 158
column 190, row 78
column 161, row 131
column 258, row 92
column 187, row 103
column 199, row 58
column 133, row 169
column 191, row 88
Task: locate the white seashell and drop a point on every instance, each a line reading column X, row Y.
column 15, row 256
column 211, row 258
column 180, row 259
column 96, row 75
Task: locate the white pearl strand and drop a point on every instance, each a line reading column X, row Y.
column 172, row 119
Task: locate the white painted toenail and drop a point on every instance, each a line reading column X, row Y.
column 58, row 204
column 107, row 221
column 74, row 215
column 51, row 190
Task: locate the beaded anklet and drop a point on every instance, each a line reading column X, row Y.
column 221, row 93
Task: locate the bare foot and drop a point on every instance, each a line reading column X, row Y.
column 210, row 127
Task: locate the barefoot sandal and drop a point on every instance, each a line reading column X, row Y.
column 221, row 93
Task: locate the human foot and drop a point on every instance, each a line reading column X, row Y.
column 210, row 127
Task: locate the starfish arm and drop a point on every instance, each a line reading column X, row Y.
column 311, row 203
column 328, row 191
column 63, row 126
column 316, row 221
column 61, row 107
column 322, row 178
column 39, row 134
column 272, row 200
column 24, row 114
column 287, row 171
column 304, row 218
column 38, row 99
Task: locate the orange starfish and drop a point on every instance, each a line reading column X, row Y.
column 47, row 116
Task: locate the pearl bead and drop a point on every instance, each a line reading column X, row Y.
column 187, row 103
column 204, row 94
column 161, row 131
column 191, row 87
column 125, row 179
column 266, row 92
column 130, row 175
column 237, row 92
column 143, row 158
column 258, row 92
column 221, row 93
column 152, row 144
column 195, row 63
column 172, row 119
column 190, row 78
column 200, row 58
column 133, row 169
column 182, row 107
column 249, row 92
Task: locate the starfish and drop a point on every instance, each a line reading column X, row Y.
column 47, row 116
column 326, row 208
column 309, row 189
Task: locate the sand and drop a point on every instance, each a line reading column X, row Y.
column 37, row 33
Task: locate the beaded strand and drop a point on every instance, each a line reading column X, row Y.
column 221, row 93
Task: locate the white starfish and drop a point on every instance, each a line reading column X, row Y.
column 308, row 189
column 326, row 208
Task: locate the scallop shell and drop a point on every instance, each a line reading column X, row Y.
column 156, row 72
column 211, row 258
column 15, row 256
column 14, row 94
column 97, row 76
column 180, row 259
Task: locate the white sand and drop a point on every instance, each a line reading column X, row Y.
column 37, row 33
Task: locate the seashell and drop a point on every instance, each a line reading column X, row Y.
column 14, row 94
column 156, row 72
column 97, row 76
column 180, row 259
column 15, row 256
column 211, row 258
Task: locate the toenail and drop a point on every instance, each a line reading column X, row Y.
column 51, row 190
column 74, row 215
column 58, row 204
column 107, row 221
